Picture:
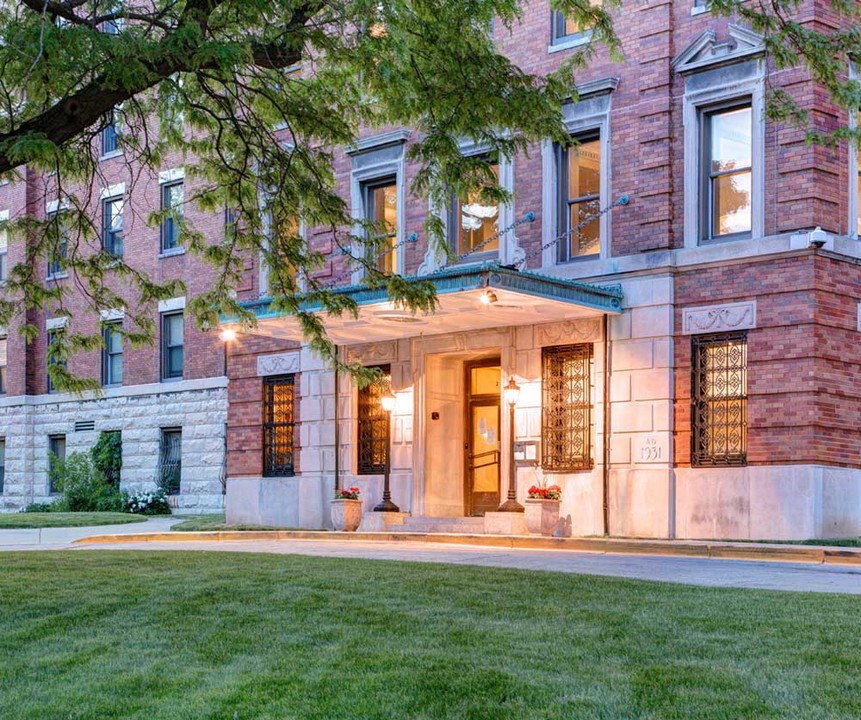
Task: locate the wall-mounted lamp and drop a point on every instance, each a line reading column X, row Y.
column 488, row 297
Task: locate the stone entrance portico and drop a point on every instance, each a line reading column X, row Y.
column 427, row 357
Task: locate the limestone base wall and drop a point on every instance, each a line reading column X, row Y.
column 771, row 502
column 198, row 407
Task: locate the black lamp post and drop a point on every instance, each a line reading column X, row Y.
column 228, row 335
column 511, row 392
column 386, row 504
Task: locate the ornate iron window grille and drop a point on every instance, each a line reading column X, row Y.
column 169, row 473
column 719, row 399
column 278, row 425
column 566, row 408
column 373, row 427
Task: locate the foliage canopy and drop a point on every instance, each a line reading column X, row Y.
column 254, row 96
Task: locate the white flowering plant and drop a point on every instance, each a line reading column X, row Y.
column 148, row 502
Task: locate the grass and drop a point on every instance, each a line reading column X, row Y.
column 206, row 636
column 207, row 523
column 9, row 521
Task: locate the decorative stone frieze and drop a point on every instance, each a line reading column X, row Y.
column 281, row 364
column 373, row 353
column 719, row 318
column 569, row 331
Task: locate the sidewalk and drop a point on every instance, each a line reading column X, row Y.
column 705, row 549
column 702, row 571
column 55, row 538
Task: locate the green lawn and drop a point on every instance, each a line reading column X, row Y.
column 206, row 523
column 158, row 636
column 61, row 519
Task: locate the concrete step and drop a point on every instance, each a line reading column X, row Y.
column 471, row 525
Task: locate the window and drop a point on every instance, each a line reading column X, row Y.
column 2, row 464
column 4, row 249
column 112, row 225
column 858, row 197
column 727, row 165
column 373, row 427
column 472, row 223
column 381, row 210
column 57, row 253
column 170, row 461
column 3, row 365
column 112, row 355
column 567, row 29
column 172, row 200
column 55, row 355
column 278, row 425
column 719, row 399
column 56, row 452
column 110, row 134
column 579, row 186
column 566, row 409
column 115, row 25
column 171, row 345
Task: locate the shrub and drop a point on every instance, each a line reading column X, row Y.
column 107, row 455
column 84, row 488
column 148, row 502
column 39, row 508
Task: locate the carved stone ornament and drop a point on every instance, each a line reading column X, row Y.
column 719, row 318
column 373, row 353
column 569, row 331
column 282, row 364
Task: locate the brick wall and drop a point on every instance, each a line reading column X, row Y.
column 803, row 357
column 245, row 404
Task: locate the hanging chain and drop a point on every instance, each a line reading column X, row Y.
column 623, row 200
column 529, row 217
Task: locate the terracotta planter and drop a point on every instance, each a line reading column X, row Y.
column 346, row 514
column 542, row 516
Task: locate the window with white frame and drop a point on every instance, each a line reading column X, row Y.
column 473, row 223
column 172, row 202
column 578, row 185
column 59, row 248
column 112, row 225
column 4, row 250
column 172, row 345
column 110, row 134
column 3, row 364
column 378, row 199
column 724, row 130
column 381, row 214
column 576, row 180
column 726, row 171
column 857, row 188
column 112, row 354
column 567, row 30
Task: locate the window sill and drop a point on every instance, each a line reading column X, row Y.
column 172, row 379
column 569, row 43
column 57, row 276
column 111, row 155
column 578, row 259
column 699, row 10
column 720, row 239
column 172, row 252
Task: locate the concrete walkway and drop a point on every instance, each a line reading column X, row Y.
column 55, row 538
column 711, row 572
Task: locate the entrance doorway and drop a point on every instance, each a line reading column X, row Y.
column 481, row 446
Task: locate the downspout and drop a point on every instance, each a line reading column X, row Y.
column 606, row 465
column 337, row 423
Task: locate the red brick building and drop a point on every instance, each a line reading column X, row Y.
column 685, row 360
column 718, row 400
column 167, row 400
